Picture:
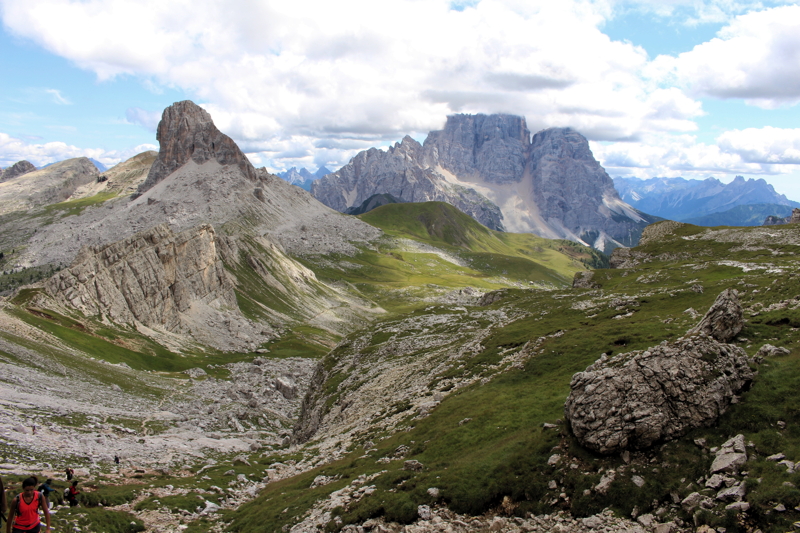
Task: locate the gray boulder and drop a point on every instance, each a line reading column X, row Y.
column 725, row 318
column 636, row 399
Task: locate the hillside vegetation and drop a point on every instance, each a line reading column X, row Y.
column 477, row 426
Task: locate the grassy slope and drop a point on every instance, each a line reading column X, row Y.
column 503, row 451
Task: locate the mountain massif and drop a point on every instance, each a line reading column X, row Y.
column 490, row 167
column 691, row 200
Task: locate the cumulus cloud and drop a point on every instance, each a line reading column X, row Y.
column 767, row 145
column 285, row 72
column 758, row 151
column 13, row 149
column 755, row 57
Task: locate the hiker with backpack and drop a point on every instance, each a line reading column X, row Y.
column 46, row 489
column 23, row 516
column 71, row 494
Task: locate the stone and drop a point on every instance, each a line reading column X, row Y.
column 554, row 459
column 413, row 466
column 605, row 482
column 647, row 520
column 186, row 133
column 424, row 512
column 790, row 465
column 734, row 444
column 780, row 508
column 286, row 386
column 738, row 506
column 592, row 522
column 17, row 169
column 695, row 500
column 724, row 320
column 636, row 399
column 728, row 462
column 735, row 493
column 433, row 492
column 769, row 350
column 638, row 481
column 667, row 527
column 715, row 481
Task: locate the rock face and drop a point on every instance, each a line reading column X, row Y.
column 151, row 277
column 186, row 132
column 401, row 173
column 488, row 146
column 636, row 399
column 489, row 167
column 17, row 169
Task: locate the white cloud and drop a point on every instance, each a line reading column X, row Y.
column 755, row 57
column 15, row 149
column 682, row 155
column 305, row 72
column 767, row 145
column 58, row 98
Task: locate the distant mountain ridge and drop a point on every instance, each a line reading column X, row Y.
column 491, row 168
column 303, row 178
column 684, row 200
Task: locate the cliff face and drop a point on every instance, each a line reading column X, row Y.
column 400, row 172
column 152, row 277
column 493, row 147
column 186, row 132
column 490, row 168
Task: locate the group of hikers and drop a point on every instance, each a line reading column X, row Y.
column 23, row 509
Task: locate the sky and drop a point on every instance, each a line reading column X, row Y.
column 660, row 88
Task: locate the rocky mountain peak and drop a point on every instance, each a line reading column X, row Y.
column 186, row 132
column 17, row 169
column 491, row 146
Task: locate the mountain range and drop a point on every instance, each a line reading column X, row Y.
column 303, row 177
column 689, row 200
column 490, row 167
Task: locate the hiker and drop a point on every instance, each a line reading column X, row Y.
column 71, row 495
column 23, row 516
column 46, row 489
column 116, row 459
column 69, row 473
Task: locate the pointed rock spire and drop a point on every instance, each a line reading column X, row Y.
column 186, row 132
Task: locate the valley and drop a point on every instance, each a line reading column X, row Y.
column 261, row 362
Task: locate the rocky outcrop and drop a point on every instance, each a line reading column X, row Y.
column 634, row 400
column 17, row 169
column 489, row 167
column 724, row 320
column 48, row 185
column 400, row 172
column 152, row 277
column 187, row 133
column 794, row 218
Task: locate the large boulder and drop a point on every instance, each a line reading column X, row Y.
column 636, row 399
